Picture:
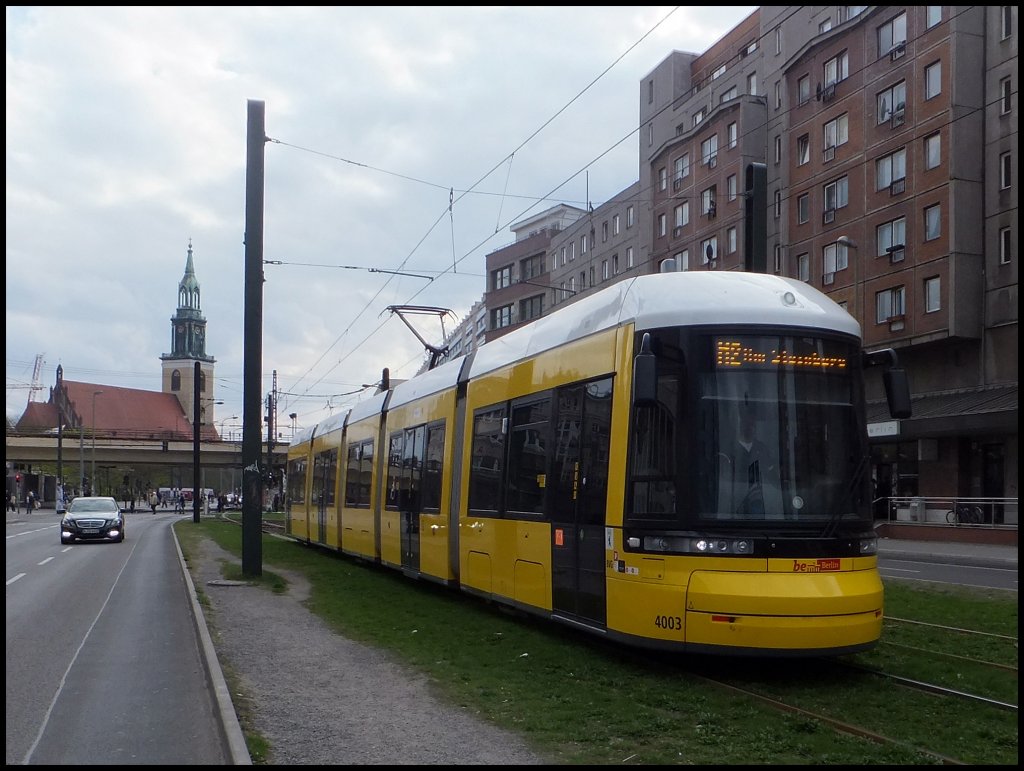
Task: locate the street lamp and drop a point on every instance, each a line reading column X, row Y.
column 94, row 395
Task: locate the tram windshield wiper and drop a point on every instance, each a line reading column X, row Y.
column 833, row 521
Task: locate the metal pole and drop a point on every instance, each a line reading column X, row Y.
column 93, row 479
column 252, row 479
column 196, row 421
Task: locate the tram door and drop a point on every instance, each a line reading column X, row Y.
column 580, row 483
column 410, row 499
column 324, row 474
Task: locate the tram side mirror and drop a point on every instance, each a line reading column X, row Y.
column 645, row 374
column 897, row 392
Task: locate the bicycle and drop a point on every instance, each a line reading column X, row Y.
column 965, row 514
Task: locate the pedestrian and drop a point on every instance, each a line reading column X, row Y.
column 12, row 503
column 153, row 500
column 30, row 501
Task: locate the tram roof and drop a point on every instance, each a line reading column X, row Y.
column 688, row 298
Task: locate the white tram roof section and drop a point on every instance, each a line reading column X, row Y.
column 302, row 436
column 430, row 382
column 332, row 422
column 687, row 298
column 367, row 407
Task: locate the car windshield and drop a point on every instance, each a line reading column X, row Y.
column 93, row 505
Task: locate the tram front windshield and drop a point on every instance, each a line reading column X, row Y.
column 750, row 428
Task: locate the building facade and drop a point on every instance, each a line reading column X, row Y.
column 887, row 136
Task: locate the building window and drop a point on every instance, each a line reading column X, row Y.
column 501, row 278
column 732, row 134
column 615, row 225
column 1004, row 96
column 834, row 259
column 889, row 304
column 803, row 208
column 572, row 284
column 501, row 317
column 837, row 194
column 803, row 89
column 615, row 264
column 531, row 267
column 803, row 149
column 778, row 150
column 752, row 84
column 718, row 73
column 730, row 240
column 932, row 151
column 531, row 308
column 662, row 178
column 778, row 204
column 825, row 26
column 572, row 251
column 837, row 69
column 176, row 380
column 604, row 231
column 932, row 294
column 778, row 40
column 1007, row 21
column 604, row 270
column 803, row 267
column 650, row 134
column 629, row 217
column 707, row 202
column 650, row 91
column 1004, row 246
column 709, row 150
column 891, row 168
column 730, row 186
column 677, row 171
column 932, row 15
column 662, row 225
column 683, row 260
column 892, row 100
column 1004, row 171
column 584, row 243
column 837, row 131
column 726, row 96
column 698, row 117
column 709, row 250
column 933, row 80
column 932, row 222
column 683, row 214
column 890, row 238
column 583, row 280
column 629, row 257
column 892, row 34
column 777, row 259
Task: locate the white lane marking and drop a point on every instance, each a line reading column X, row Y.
column 15, row 578
column 44, row 561
column 74, row 658
column 29, row 532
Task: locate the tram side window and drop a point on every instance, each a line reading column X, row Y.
column 486, row 469
column 358, row 474
column 396, row 445
column 352, row 475
column 529, row 440
column 433, row 468
column 297, row 481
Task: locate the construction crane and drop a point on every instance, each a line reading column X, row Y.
column 37, row 383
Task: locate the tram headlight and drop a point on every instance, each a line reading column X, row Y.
column 869, row 545
column 663, row 543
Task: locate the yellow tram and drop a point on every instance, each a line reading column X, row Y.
column 675, row 462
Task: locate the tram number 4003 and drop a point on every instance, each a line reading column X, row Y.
column 668, row 622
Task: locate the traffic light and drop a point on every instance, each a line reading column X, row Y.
column 17, row 478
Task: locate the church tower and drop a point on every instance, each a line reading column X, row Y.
column 188, row 346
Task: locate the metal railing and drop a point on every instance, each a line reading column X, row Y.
column 989, row 513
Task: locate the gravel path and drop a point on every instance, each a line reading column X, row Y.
column 319, row 698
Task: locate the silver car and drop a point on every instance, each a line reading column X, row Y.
column 92, row 518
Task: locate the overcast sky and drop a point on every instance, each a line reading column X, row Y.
column 126, row 139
